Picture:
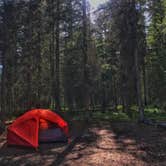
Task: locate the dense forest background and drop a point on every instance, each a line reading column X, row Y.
column 58, row 54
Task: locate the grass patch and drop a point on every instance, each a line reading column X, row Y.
column 151, row 113
column 156, row 114
column 112, row 116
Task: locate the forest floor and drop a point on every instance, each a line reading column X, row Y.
column 103, row 143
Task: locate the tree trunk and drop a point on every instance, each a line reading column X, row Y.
column 138, row 86
column 86, row 96
column 145, row 85
column 3, row 88
column 52, row 51
column 57, row 57
column 137, row 65
column 39, row 58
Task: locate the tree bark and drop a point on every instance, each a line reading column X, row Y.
column 145, row 85
column 57, row 57
column 86, row 96
column 137, row 65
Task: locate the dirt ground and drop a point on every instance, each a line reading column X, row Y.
column 102, row 144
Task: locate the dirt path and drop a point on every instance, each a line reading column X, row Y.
column 107, row 144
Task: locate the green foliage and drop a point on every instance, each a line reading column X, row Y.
column 112, row 116
column 156, row 114
column 156, row 59
column 119, row 107
column 30, row 76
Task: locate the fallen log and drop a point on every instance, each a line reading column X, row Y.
column 153, row 122
column 162, row 125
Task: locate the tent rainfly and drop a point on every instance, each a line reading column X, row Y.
column 38, row 125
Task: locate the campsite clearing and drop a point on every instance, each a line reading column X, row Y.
column 104, row 143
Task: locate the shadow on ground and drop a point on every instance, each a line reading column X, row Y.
column 47, row 154
column 145, row 143
column 103, row 143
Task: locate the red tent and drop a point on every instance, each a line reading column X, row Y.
column 24, row 130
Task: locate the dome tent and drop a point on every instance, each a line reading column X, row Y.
column 27, row 129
